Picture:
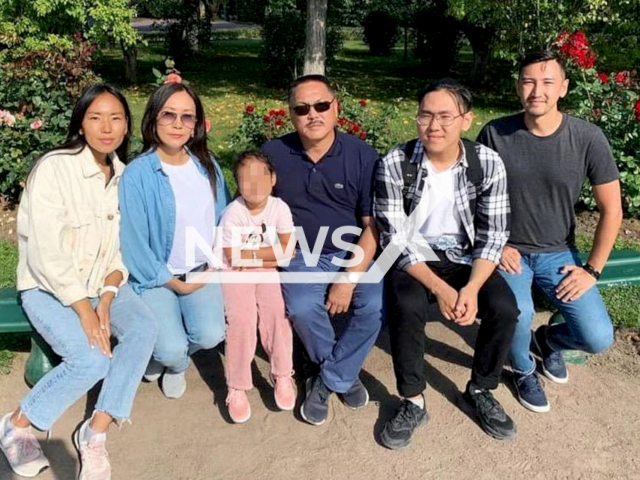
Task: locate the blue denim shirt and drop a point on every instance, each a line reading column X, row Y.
column 148, row 218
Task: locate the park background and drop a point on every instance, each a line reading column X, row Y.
column 240, row 56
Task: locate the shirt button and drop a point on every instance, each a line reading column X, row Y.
column 110, row 216
column 313, row 169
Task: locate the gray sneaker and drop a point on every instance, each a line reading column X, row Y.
column 22, row 449
column 398, row 431
column 173, row 384
column 315, row 407
column 356, row 397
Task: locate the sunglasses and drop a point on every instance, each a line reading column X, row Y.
column 319, row 107
column 187, row 119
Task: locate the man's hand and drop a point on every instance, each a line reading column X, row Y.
column 574, row 284
column 510, row 261
column 339, row 298
column 447, row 298
column 466, row 307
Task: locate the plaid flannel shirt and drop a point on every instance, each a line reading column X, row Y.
column 487, row 233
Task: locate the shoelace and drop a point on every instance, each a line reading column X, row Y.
column 95, row 457
column 486, row 400
column 531, row 384
column 406, row 414
column 231, row 396
column 24, row 445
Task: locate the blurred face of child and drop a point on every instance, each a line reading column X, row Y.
column 255, row 182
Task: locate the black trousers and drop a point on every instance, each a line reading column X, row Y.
column 407, row 315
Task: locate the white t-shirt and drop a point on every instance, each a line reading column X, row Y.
column 263, row 228
column 194, row 208
column 441, row 225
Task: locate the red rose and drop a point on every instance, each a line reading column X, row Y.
column 621, row 77
column 576, row 47
column 250, row 109
column 173, row 78
column 355, row 127
column 363, row 103
column 266, row 118
column 281, row 112
column 342, row 122
column 596, row 113
column 637, row 110
column 273, row 113
column 363, row 135
column 279, row 123
column 604, row 78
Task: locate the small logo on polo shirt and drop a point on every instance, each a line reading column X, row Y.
column 338, row 186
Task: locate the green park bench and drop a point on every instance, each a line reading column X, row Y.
column 623, row 268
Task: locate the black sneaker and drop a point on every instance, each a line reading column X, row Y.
column 315, row 407
column 493, row 419
column 356, row 397
column 397, row 432
column 553, row 365
column 530, row 392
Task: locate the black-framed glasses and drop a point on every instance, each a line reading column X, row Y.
column 444, row 119
column 187, row 119
column 319, row 107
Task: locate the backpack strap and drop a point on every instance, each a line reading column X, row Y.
column 475, row 175
column 409, row 172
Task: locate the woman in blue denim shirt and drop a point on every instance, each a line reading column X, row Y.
column 171, row 197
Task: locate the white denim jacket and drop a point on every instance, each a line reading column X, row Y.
column 68, row 226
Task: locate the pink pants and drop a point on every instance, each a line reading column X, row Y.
column 250, row 307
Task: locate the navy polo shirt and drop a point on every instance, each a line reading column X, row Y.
column 335, row 192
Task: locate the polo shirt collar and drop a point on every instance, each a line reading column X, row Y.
column 334, row 151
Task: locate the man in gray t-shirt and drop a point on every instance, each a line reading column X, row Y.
column 548, row 155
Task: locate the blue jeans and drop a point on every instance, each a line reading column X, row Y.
column 82, row 366
column 186, row 323
column 339, row 359
column 587, row 324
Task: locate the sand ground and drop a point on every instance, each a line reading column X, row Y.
column 592, row 431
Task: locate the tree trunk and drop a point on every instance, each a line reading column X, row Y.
column 481, row 40
column 130, row 55
column 315, row 49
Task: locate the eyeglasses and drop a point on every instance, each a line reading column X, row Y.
column 319, row 107
column 444, row 119
column 187, row 119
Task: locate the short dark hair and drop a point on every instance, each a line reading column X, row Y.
column 461, row 93
column 243, row 158
column 310, row 78
column 542, row 56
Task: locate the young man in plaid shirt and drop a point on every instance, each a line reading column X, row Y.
column 458, row 210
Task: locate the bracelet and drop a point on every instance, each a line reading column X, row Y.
column 109, row 288
column 591, row 271
column 254, row 255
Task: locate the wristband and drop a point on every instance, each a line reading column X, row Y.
column 109, row 288
column 591, row 271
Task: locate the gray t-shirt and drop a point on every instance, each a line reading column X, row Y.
column 545, row 175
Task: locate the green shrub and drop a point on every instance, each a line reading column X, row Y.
column 37, row 93
column 380, row 31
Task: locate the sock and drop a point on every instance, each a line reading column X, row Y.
column 417, row 401
column 89, row 433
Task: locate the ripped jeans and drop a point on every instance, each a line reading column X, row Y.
column 82, row 366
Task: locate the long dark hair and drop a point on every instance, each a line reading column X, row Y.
column 75, row 140
column 196, row 144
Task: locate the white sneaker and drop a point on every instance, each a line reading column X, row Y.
column 154, row 371
column 173, row 384
column 22, row 449
column 94, row 458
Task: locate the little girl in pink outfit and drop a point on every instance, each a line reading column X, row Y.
column 256, row 306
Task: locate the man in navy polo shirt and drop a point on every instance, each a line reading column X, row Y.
column 326, row 178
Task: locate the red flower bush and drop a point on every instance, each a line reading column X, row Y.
column 636, row 109
column 250, row 109
column 576, row 47
column 363, row 103
column 604, row 78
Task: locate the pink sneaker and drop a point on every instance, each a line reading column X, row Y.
column 94, row 458
column 284, row 392
column 22, row 449
column 238, row 405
